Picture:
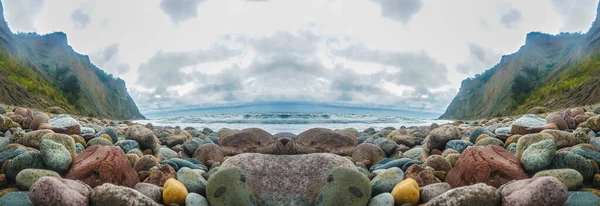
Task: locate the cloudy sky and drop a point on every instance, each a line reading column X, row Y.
column 403, row 54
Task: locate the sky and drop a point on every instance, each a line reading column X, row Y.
column 399, row 54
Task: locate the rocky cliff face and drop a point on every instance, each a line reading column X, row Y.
column 42, row 71
column 554, row 71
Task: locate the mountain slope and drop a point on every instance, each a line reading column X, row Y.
column 42, row 71
column 554, row 71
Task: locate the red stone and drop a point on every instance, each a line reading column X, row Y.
column 103, row 164
column 160, row 176
column 492, row 165
column 422, row 176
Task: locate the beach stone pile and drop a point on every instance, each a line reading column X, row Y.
column 545, row 159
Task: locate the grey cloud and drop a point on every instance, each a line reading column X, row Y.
column 123, row 68
column 479, row 60
column 80, row 19
column 511, row 18
column 399, row 10
column 105, row 55
column 285, row 67
column 577, row 14
column 180, row 10
column 20, row 14
column 416, row 69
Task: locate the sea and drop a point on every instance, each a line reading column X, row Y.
column 294, row 118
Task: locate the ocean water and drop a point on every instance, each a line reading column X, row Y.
column 294, row 122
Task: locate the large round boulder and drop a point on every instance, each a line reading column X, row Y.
column 59, row 191
column 478, row 194
column 321, row 140
column 103, row 164
column 438, row 137
column 293, row 179
column 492, row 165
column 144, row 136
column 535, row 191
column 115, row 195
column 251, row 140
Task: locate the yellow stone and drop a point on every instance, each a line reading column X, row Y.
column 406, row 191
column 174, row 192
column 514, row 138
column 79, row 139
column 482, row 136
column 105, row 136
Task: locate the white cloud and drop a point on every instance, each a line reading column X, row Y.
column 80, row 19
column 21, row 14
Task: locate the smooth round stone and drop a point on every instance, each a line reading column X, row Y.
column 194, row 199
column 87, row 130
column 406, row 191
column 114, row 195
column 480, row 131
column 110, row 132
column 431, row 191
column 166, row 153
column 383, row 199
column 152, row 191
column 458, row 145
column 59, row 191
column 346, row 186
column 11, row 153
column 174, row 192
column 27, row 177
column 490, row 141
column 479, row 194
column 127, row 145
column 570, row 177
column 55, row 156
column 567, row 159
column 386, row 180
column 534, row 191
column 192, row 179
column 582, row 198
column 512, row 148
column 63, row 120
column 228, row 186
column 415, row 153
column 503, row 130
column 31, row 159
column 587, row 153
column 538, row 155
column 79, row 148
column 99, row 141
column 16, row 199
column 438, row 163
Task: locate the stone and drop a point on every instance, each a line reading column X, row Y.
column 345, row 186
column 492, row 165
column 55, row 156
column 251, row 140
column 166, row 153
column 308, row 172
column 321, row 140
column 582, row 198
column 568, row 159
column 527, row 124
column 190, row 146
column 194, row 199
column 161, row 175
column 108, row 131
column 144, row 136
column 384, row 199
column 389, row 163
column 98, row 141
column 385, row 181
column 115, row 195
column 406, row 191
column 174, row 192
column 228, row 186
column 103, row 164
column 452, row 158
column 152, row 191
column 403, row 137
column 422, row 176
column 478, row 132
column 530, row 139
column 438, row 137
column 145, row 163
column 458, row 145
column 538, row 156
column 16, row 199
column 587, row 153
column 490, row 141
column 415, row 153
column 535, row 191
column 571, row 178
column 40, row 118
column 388, row 146
column 32, row 139
column 63, row 139
column 512, row 139
column 59, row 191
column 558, row 120
column 132, row 158
column 369, row 152
column 27, row 160
column 207, row 152
column 563, row 138
column 478, row 194
column 431, row 191
column 127, row 145
column 65, row 124
column 25, row 178
column 11, row 153
column 192, row 179
column 438, row 163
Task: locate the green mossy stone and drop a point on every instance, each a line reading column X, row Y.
column 228, row 187
column 346, row 186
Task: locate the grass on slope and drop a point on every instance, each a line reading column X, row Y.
column 31, row 81
column 573, row 76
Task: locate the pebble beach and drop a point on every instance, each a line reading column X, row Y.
column 543, row 158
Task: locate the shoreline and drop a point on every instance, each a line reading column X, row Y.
column 551, row 153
